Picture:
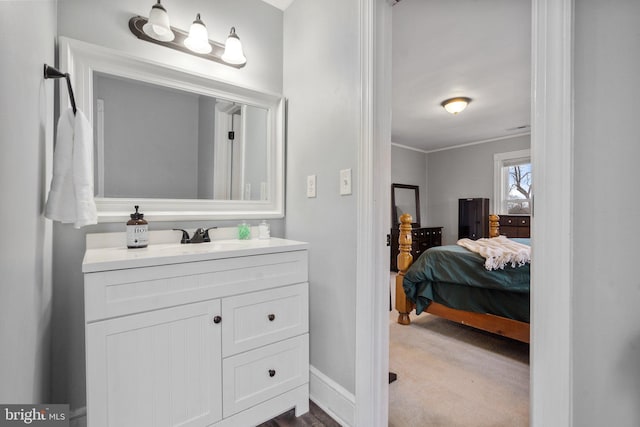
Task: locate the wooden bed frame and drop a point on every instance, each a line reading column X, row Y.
column 487, row 322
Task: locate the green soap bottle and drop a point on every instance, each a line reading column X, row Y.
column 244, row 231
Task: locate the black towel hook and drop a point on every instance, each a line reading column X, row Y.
column 53, row 73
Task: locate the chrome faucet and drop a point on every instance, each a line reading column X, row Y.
column 201, row 235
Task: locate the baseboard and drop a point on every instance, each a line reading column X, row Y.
column 78, row 417
column 332, row 398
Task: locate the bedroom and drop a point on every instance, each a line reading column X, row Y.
column 451, row 157
column 328, row 126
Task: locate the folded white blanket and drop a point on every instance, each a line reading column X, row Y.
column 499, row 251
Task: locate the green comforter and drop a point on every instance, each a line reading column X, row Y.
column 456, row 277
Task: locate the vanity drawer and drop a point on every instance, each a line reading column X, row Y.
column 260, row 318
column 258, row 375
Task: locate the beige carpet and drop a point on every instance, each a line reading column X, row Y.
column 451, row 375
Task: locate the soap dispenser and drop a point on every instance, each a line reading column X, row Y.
column 137, row 231
column 264, row 232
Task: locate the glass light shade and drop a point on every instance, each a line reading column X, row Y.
column 198, row 40
column 455, row 105
column 157, row 27
column 233, row 53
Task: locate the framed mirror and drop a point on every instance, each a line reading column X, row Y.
column 181, row 145
column 405, row 199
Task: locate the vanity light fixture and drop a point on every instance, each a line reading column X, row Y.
column 198, row 40
column 156, row 29
column 455, row 105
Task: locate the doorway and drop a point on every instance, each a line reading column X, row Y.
column 452, row 157
column 551, row 150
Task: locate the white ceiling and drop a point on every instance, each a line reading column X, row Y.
column 280, row 4
column 447, row 48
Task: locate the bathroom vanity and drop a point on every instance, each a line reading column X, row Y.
column 211, row 334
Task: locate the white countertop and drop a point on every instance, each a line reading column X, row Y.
column 118, row 258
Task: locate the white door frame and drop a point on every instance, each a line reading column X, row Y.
column 551, row 226
column 551, row 147
column 374, row 199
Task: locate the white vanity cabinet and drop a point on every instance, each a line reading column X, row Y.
column 213, row 334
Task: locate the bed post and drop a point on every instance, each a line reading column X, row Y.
column 494, row 225
column 403, row 305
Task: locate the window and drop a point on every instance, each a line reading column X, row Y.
column 512, row 183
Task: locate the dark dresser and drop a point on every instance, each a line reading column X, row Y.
column 423, row 239
column 473, row 218
column 515, row 225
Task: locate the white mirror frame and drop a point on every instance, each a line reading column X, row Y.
column 81, row 60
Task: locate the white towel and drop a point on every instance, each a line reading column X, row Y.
column 71, row 195
column 499, row 251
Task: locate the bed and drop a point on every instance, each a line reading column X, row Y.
column 498, row 303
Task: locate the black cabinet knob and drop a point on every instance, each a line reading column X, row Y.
column 272, row 373
column 271, row 317
column 217, row 319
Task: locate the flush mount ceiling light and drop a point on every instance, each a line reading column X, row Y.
column 156, row 29
column 198, row 40
column 455, row 105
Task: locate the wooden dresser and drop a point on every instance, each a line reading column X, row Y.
column 515, row 225
column 423, row 239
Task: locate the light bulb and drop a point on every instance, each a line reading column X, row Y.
column 233, row 53
column 198, row 40
column 157, row 27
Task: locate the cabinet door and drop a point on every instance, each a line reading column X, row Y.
column 161, row 368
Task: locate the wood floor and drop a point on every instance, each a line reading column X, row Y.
column 316, row 417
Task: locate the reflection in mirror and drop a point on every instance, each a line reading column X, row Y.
column 405, row 199
column 164, row 143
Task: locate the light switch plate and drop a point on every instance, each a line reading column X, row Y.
column 311, row 186
column 345, row 182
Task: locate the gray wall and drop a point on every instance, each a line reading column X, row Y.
column 460, row 173
column 104, row 23
column 26, row 136
column 258, row 25
column 606, row 290
column 151, row 133
column 321, row 82
column 410, row 167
